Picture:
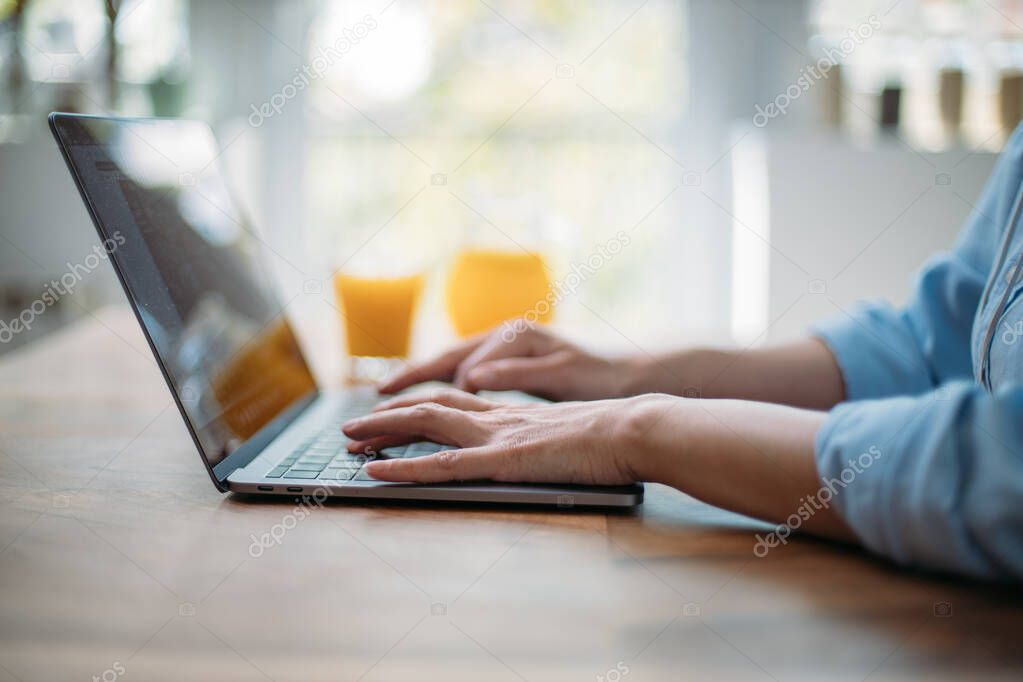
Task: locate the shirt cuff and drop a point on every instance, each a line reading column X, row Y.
column 902, row 474
column 875, row 351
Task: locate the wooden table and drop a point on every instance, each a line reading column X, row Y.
column 119, row 559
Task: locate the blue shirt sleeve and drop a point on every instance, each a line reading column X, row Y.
column 945, row 489
column 883, row 351
column 941, row 485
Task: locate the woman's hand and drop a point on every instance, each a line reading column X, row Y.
column 531, row 360
column 562, row 443
column 752, row 458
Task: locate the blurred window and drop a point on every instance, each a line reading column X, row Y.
column 62, row 50
column 544, row 124
column 976, row 44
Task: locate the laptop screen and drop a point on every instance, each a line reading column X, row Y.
column 191, row 266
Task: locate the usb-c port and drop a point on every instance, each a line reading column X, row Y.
column 267, row 488
column 294, row 490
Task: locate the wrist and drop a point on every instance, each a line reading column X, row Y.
column 634, row 374
column 642, row 436
column 679, row 374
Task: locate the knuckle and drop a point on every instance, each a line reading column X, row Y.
column 447, row 395
column 449, row 460
column 424, row 410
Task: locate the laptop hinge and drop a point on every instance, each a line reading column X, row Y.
column 240, row 458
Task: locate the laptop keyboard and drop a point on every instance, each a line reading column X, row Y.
column 324, row 455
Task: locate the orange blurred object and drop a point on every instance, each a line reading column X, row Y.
column 489, row 286
column 266, row 376
column 379, row 313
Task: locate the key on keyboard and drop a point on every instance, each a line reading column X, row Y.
column 324, row 455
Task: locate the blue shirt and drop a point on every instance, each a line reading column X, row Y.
column 943, row 485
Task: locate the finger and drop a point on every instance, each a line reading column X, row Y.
column 427, row 421
column 371, row 447
column 498, row 345
column 440, row 368
column 442, row 396
column 537, row 375
column 452, row 465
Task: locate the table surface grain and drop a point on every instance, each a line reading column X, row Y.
column 119, row 559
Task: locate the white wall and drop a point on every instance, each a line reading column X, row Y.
column 44, row 226
column 735, row 64
column 861, row 219
column 43, row 223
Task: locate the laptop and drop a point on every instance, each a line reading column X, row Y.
column 191, row 267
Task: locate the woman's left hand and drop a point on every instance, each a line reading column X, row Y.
column 556, row 443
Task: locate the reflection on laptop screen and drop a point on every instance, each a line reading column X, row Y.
column 191, row 266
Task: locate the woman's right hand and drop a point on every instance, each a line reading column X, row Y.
column 531, row 360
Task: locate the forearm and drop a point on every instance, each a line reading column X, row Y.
column 751, row 458
column 801, row 374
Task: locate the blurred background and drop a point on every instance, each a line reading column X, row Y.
column 769, row 162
